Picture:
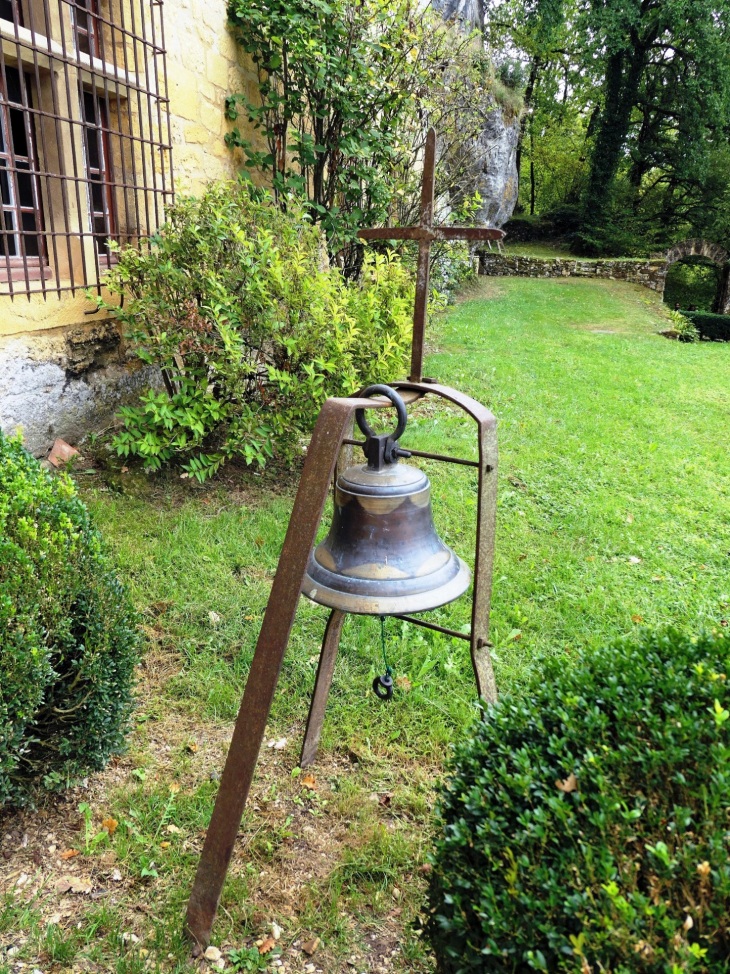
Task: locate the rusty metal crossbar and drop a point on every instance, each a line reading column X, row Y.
column 426, row 233
column 331, row 434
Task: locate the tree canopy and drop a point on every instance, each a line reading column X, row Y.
column 628, row 116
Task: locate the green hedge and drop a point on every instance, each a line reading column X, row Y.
column 68, row 637
column 715, row 328
column 586, row 824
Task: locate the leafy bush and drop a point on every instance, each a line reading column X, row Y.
column 252, row 331
column 584, row 827
column 68, row 639
column 684, row 329
column 715, row 328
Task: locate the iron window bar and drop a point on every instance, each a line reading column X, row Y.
column 85, row 141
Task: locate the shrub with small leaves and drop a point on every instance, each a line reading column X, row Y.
column 68, row 637
column 585, row 826
column 250, row 329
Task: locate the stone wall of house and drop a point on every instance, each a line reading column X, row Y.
column 648, row 273
column 64, row 369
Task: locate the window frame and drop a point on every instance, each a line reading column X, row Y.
column 92, row 119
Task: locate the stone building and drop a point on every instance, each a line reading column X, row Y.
column 105, row 105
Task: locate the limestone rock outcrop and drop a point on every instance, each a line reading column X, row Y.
column 494, row 151
column 495, row 159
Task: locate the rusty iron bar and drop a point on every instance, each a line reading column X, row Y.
column 45, row 246
column 426, row 233
column 332, row 425
column 426, row 456
column 333, row 428
column 322, row 684
column 432, row 625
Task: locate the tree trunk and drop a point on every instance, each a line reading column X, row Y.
column 624, row 70
column 529, row 92
column 532, row 175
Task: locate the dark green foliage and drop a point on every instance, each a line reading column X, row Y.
column 584, row 826
column 68, row 638
column 692, row 281
column 715, row 328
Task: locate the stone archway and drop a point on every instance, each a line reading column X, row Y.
column 697, row 247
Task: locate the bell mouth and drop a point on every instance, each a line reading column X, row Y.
column 368, row 595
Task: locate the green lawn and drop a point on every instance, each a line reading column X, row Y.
column 613, row 514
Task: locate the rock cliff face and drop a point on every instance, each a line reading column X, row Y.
column 469, row 12
column 495, row 157
column 494, row 151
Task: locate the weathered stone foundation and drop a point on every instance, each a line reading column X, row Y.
column 56, row 383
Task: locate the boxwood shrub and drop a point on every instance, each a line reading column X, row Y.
column 68, row 637
column 585, row 825
column 715, row 328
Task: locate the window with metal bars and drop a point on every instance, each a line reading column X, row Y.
column 85, row 154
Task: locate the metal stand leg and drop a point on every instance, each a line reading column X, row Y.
column 266, row 666
column 484, row 562
column 323, row 682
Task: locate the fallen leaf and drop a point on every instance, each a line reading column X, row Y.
column 173, row 789
column 570, row 784
column 192, row 747
column 110, row 824
column 425, row 868
column 73, row 884
column 173, row 830
column 384, row 799
column 164, row 845
column 688, row 922
column 309, row 781
column 69, row 853
column 311, row 946
column 259, row 542
column 117, row 876
column 636, row 619
column 249, row 618
column 629, row 518
column 214, row 617
column 125, row 469
column 276, row 931
column 403, row 683
column 267, row 945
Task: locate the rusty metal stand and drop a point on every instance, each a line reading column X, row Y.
column 330, row 433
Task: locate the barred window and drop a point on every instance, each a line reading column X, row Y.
column 85, row 148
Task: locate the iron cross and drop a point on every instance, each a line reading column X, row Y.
column 425, row 233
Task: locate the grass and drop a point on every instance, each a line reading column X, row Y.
column 613, row 514
column 536, row 248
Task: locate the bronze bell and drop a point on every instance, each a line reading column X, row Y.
column 382, row 555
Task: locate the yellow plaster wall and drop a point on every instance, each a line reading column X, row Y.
column 202, row 69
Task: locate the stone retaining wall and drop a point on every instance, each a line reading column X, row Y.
column 648, row 273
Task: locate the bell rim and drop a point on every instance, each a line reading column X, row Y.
column 389, row 605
